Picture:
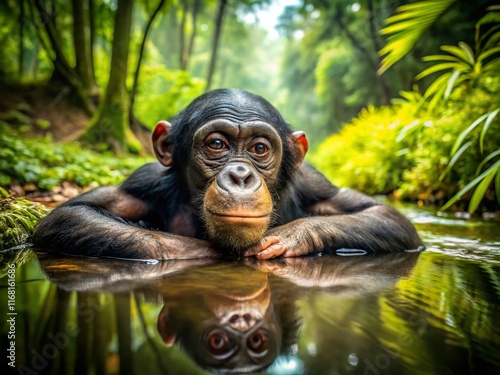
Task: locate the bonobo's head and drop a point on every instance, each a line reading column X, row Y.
column 236, row 154
column 231, row 333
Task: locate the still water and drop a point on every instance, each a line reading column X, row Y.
column 434, row 312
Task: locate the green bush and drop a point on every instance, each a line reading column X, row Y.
column 18, row 217
column 164, row 93
column 405, row 150
column 366, row 155
column 46, row 163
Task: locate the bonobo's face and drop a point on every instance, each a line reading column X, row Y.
column 240, row 163
column 236, row 154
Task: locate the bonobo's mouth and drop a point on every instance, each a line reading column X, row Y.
column 235, row 229
column 240, row 217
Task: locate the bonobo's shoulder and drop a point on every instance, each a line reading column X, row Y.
column 150, row 169
column 148, row 179
column 310, row 181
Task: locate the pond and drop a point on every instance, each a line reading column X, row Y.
column 433, row 312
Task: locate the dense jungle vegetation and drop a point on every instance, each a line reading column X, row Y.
column 397, row 97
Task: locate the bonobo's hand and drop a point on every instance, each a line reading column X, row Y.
column 289, row 240
column 306, row 272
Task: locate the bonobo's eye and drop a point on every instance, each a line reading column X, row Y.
column 218, row 342
column 260, row 147
column 257, row 342
column 216, row 142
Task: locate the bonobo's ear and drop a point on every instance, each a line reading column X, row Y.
column 301, row 145
column 164, row 328
column 161, row 144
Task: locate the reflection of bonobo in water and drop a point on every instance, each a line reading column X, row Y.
column 229, row 180
column 231, row 317
column 238, row 328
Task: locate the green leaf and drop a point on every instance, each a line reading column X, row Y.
column 488, row 33
column 458, row 52
column 497, row 187
column 439, row 67
column 441, row 58
column 484, row 55
column 428, row 6
column 492, row 41
column 436, row 99
column 487, row 159
column 487, row 123
column 469, row 186
column 438, row 86
column 490, row 17
column 481, row 190
column 451, row 83
column 492, row 66
column 408, row 129
column 454, row 159
column 416, row 18
column 406, row 26
column 398, row 17
column 468, row 52
column 466, row 132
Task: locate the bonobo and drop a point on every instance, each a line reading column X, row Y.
column 229, row 182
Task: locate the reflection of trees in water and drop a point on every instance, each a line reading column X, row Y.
column 252, row 306
column 344, row 314
column 439, row 320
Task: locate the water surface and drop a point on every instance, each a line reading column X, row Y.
column 434, row 312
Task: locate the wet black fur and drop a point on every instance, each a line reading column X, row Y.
column 84, row 227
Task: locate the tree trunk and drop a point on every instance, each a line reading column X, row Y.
column 359, row 46
column 373, row 35
column 92, row 38
column 215, row 43
column 110, row 124
column 21, row 38
column 63, row 72
column 35, row 62
column 82, row 54
column 182, row 35
column 122, row 313
column 141, row 55
column 172, row 39
column 59, row 60
column 196, row 9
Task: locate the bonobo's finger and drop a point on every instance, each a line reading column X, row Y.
column 273, row 251
column 296, row 252
column 262, row 245
column 264, row 265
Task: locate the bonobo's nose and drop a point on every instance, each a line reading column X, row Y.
column 239, row 178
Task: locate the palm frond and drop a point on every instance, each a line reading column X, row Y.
column 407, row 26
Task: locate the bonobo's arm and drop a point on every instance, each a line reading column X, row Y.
column 101, row 223
column 347, row 219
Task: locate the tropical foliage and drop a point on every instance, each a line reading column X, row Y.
column 40, row 161
column 426, row 127
column 17, row 220
column 407, row 27
column 435, row 142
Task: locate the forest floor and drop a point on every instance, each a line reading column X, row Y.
column 46, row 110
column 67, row 120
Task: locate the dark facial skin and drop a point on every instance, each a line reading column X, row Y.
column 230, row 181
column 234, row 333
column 238, row 162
